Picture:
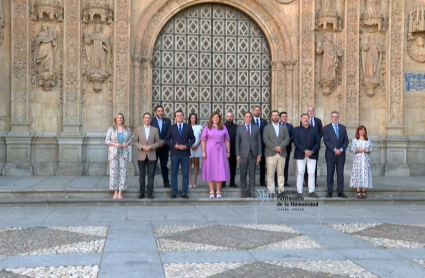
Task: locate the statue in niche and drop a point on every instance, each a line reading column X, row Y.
column 98, row 49
column 45, row 46
column 371, row 60
column 330, row 63
column 420, row 53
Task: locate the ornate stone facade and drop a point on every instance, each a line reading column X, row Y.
column 71, row 65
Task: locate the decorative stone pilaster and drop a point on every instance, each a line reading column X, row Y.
column 395, row 111
column 289, row 79
column 18, row 156
column 45, row 155
column 146, row 87
column 352, row 64
column 278, row 73
column 306, row 97
column 72, row 69
column 397, row 157
column 137, row 64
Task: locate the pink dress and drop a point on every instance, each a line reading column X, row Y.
column 216, row 166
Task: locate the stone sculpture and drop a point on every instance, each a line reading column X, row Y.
column 330, row 63
column 371, row 61
column 45, row 46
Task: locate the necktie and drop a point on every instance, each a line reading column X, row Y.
column 311, row 121
column 256, row 122
column 249, row 131
column 336, row 131
column 180, row 130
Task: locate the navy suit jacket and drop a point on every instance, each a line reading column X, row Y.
column 291, row 135
column 300, row 144
column 263, row 123
column 332, row 142
column 166, row 123
column 173, row 137
column 317, row 124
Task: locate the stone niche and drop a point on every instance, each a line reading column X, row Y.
column 416, row 34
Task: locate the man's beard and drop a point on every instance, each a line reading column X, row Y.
column 229, row 122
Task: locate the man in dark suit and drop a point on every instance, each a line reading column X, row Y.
column 231, row 129
column 162, row 124
column 179, row 138
column 283, row 121
column 317, row 123
column 336, row 141
column 261, row 123
column 248, row 152
column 307, row 145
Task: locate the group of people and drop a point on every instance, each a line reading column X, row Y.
column 222, row 145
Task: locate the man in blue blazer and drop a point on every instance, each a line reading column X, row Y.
column 162, row 124
column 336, row 141
column 261, row 123
column 179, row 138
column 283, row 121
column 307, row 145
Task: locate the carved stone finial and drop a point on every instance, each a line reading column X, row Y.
column 371, row 16
column 100, row 8
column 51, row 8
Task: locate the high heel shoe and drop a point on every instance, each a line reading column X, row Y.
column 211, row 194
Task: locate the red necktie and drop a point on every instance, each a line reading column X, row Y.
column 249, row 132
column 311, row 121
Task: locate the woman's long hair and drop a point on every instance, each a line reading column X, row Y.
column 189, row 122
column 114, row 125
column 358, row 133
column 220, row 121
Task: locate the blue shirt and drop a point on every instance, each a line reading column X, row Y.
column 159, row 124
column 120, row 138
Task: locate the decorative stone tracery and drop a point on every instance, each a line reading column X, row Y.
column 51, row 8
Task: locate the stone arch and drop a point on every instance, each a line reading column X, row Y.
column 280, row 35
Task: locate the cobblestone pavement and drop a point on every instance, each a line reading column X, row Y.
column 212, row 241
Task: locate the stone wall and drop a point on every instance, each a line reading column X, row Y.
column 364, row 58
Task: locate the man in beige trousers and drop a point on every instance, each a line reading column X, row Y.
column 275, row 138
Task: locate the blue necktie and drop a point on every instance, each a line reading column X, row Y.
column 336, row 131
column 256, row 122
column 180, row 130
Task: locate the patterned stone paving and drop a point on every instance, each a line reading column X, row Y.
column 57, row 240
column 52, row 272
column 308, row 269
column 387, row 235
column 232, row 237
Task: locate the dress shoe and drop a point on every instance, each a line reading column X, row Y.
column 234, row 185
column 287, row 184
column 250, row 195
column 173, row 196
column 150, row 196
column 167, row 185
column 141, row 196
column 329, row 195
column 313, row 195
column 342, row 195
column 244, row 195
column 299, row 196
column 185, row 196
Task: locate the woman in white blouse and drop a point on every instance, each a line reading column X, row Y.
column 361, row 175
column 195, row 150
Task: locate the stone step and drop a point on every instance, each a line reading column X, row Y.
column 131, row 201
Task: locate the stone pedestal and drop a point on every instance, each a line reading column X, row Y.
column 70, row 156
column 396, row 157
column 45, row 156
column 18, row 156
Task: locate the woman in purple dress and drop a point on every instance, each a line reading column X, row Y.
column 215, row 142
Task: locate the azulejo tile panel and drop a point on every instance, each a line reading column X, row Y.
column 386, row 235
column 232, row 237
column 215, row 56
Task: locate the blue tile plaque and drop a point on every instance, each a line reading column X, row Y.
column 414, row 82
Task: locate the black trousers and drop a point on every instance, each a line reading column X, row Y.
column 337, row 162
column 263, row 170
column 146, row 166
column 162, row 154
column 232, row 164
column 315, row 172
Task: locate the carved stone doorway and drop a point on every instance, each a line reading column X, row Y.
column 211, row 57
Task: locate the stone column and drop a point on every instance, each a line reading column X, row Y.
column 137, row 64
column 307, row 25
column 352, row 67
column 278, row 89
column 18, row 140
column 146, row 86
column 291, row 109
column 70, row 141
column 396, row 142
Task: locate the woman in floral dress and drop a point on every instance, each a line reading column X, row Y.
column 361, row 175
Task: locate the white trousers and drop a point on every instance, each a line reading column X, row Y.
column 275, row 163
column 311, row 168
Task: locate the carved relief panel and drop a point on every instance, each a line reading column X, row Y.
column 416, row 35
column 1, row 22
